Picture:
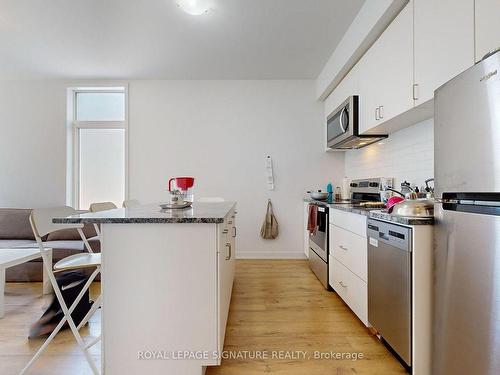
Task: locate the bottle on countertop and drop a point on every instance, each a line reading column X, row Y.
column 329, row 190
column 338, row 194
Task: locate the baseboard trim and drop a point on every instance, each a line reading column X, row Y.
column 269, row 255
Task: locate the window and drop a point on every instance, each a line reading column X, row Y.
column 98, row 146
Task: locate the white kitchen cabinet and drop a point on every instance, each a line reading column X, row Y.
column 347, row 87
column 349, row 221
column 444, row 42
column 386, row 73
column 487, row 16
column 180, row 290
column 348, row 260
column 226, row 268
column 350, row 288
column 349, row 249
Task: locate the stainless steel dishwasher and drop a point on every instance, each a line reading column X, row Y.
column 389, row 285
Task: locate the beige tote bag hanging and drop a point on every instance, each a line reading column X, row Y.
column 269, row 230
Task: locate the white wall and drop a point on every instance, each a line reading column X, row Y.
column 32, row 143
column 220, row 132
column 217, row 131
column 406, row 155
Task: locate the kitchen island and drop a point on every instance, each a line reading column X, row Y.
column 167, row 277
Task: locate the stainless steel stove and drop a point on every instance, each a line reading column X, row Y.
column 362, row 192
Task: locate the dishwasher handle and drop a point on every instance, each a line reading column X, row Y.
column 383, row 235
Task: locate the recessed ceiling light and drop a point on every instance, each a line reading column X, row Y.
column 194, row 7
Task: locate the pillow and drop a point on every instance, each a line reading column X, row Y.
column 72, row 234
column 15, row 224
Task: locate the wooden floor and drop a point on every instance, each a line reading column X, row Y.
column 278, row 307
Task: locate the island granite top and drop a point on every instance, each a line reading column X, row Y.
column 199, row 212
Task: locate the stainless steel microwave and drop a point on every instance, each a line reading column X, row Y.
column 342, row 127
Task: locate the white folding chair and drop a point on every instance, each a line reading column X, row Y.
column 41, row 223
column 101, row 206
column 131, row 203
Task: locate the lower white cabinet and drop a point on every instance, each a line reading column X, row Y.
column 347, row 220
column 225, row 273
column 350, row 249
column 350, row 288
column 348, row 260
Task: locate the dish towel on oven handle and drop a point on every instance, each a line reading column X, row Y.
column 312, row 219
column 269, row 230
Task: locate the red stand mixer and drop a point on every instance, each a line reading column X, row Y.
column 184, row 185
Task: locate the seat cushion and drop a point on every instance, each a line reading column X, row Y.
column 72, row 234
column 14, row 223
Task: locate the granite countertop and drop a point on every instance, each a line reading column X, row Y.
column 151, row 214
column 342, row 206
column 352, row 208
column 404, row 220
column 319, row 203
column 375, row 213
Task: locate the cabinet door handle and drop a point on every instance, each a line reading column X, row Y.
column 342, row 284
column 381, row 112
column 230, row 222
column 225, row 231
column 377, row 111
column 230, row 251
column 415, row 91
column 343, row 248
column 234, row 232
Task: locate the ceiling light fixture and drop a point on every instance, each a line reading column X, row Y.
column 195, row 7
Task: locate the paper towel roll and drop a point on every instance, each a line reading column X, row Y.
column 346, row 188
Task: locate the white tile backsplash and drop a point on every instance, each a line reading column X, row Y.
column 406, row 155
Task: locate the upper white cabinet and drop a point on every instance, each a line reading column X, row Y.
column 347, row 87
column 428, row 43
column 444, row 41
column 487, row 27
column 386, row 73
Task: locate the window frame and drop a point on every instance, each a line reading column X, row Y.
column 75, row 127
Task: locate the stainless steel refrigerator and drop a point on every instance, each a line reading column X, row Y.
column 466, row 334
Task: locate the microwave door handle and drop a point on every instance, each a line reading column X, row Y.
column 341, row 122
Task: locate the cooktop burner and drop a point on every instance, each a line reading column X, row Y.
column 354, row 202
